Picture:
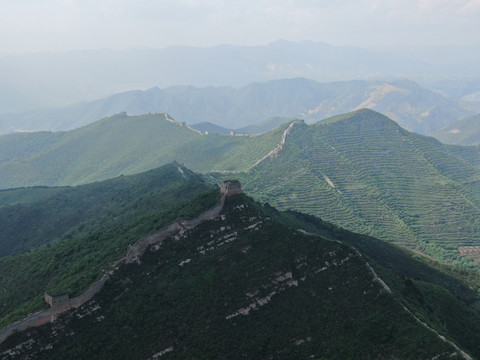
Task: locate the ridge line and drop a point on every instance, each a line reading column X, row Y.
column 134, row 252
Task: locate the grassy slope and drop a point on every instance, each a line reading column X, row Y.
column 336, row 310
column 93, row 225
column 123, row 145
column 386, row 181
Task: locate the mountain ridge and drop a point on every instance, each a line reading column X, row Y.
column 412, row 106
column 85, row 219
column 272, row 289
column 30, row 81
column 352, row 170
column 93, row 152
column 355, row 169
column 133, row 254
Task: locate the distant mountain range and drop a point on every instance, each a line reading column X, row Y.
column 245, row 109
column 466, row 89
column 360, row 171
column 462, row 132
column 251, row 282
column 47, row 80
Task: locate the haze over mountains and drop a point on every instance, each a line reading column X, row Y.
column 412, row 106
column 172, row 188
column 46, row 80
column 359, row 170
column 462, row 132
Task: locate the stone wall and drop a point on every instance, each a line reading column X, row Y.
column 87, row 295
column 37, row 319
column 61, row 304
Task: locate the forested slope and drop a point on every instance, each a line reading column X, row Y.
column 247, row 285
column 62, row 238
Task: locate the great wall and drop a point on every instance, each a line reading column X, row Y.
column 62, row 304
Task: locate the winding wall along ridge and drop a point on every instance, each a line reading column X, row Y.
column 134, row 253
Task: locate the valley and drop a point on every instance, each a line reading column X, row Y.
column 462, row 132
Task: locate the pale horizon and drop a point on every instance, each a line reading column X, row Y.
column 53, row 26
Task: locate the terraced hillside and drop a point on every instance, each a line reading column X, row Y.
column 124, row 145
column 360, row 171
column 245, row 285
column 363, row 172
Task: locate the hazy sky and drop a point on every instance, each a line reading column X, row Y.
column 54, row 25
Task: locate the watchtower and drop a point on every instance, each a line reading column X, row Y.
column 59, row 304
column 231, row 187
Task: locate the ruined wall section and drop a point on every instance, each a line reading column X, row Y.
column 36, row 319
column 135, row 251
column 87, row 295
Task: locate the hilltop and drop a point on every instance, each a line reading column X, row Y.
column 363, row 172
column 247, row 284
column 126, row 145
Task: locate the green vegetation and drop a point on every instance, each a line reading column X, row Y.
column 31, row 217
column 471, row 154
column 313, row 298
column 430, row 290
column 363, row 172
column 93, row 224
column 360, row 171
column 123, row 145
